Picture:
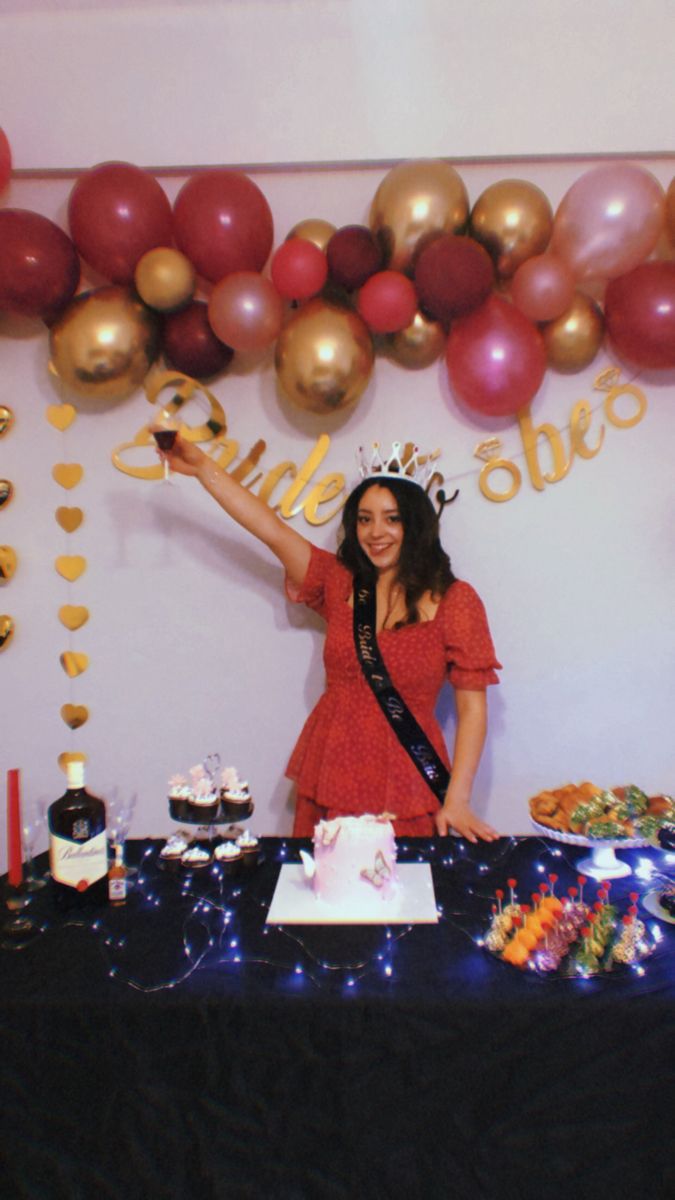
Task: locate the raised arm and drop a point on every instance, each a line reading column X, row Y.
column 290, row 547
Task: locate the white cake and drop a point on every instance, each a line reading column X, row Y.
column 355, row 863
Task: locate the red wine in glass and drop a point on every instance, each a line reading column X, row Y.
column 165, row 438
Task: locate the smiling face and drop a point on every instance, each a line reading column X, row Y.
column 379, row 528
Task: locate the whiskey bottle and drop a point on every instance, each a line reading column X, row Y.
column 78, row 852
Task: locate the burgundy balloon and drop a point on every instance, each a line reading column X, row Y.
column 117, row 212
column 5, row 161
column 190, row 345
column 496, row 358
column 640, row 314
column 39, row 267
column 223, row 223
column 353, row 256
column 453, row 275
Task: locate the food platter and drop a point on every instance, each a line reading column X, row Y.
column 602, row 862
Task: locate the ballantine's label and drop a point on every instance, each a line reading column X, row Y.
column 78, row 864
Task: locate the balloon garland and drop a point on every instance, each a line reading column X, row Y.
column 506, row 287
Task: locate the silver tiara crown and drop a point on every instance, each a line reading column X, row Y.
column 403, row 462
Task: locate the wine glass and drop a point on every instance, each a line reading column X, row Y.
column 33, row 825
column 164, row 428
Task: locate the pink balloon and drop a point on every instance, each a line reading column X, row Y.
column 387, row 302
column 246, row 311
column 609, row 221
column 299, row 269
column 543, row 287
column 5, row 161
column 496, row 358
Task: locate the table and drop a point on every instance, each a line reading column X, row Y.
column 327, row 1063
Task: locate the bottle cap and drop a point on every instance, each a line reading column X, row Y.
column 75, row 774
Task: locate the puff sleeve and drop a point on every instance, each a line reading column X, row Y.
column 470, row 654
column 314, row 587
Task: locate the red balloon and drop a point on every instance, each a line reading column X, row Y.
column 453, row 275
column 117, row 212
column 246, row 311
column 190, row 345
column 640, row 314
column 387, row 302
column 543, row 287
column 299, row 269
column 223, row 223
column 39, row 267
column 353, row 256
column 5, row 161
column 496, row 359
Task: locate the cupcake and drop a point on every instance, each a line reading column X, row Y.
column 228, row 855
column 196, row 856
column 235, row 797
column 173, row 850
column 179, row 798
column 249, row 847
column 204, row 797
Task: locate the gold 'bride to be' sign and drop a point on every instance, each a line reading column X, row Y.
column 319, row 499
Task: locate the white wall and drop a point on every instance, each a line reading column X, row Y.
column 193, row 648
column 281, row 81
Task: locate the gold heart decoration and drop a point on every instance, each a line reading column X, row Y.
column 74, row 663
column 69, row 519
column 73, row 616
column 60, row 415
column 7, row 563
column 6, row 631
column 75, row 715
column 6, row 419
column 70, row 566
column 68, row 475
column 70, row 756
column 6, row 492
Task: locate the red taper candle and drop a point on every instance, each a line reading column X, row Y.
column 14, row 852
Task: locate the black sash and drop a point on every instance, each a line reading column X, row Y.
column 411, row 736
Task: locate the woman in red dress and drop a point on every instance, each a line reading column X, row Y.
column 429, row 626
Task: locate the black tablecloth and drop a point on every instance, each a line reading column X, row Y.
column 180, row 1047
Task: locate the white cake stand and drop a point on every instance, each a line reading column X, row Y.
column 603, row 862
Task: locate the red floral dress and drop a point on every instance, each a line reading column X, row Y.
column 347, row 759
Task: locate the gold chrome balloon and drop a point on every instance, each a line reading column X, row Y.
column 324, row 357
column 513, row 219
column 7, row 563
column 573, row 340
column 414, row 202
column 6, row 492
column 6, row 631
column 419, row 344
column 104, row 343
column 313, row 229
column 670, row 211
column 6, row 419
column 165, row 279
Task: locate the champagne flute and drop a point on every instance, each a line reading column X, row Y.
column 164, row 429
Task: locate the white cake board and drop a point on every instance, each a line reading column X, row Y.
column 294, row 902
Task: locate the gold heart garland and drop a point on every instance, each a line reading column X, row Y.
column 69, row 519
column 60, row 415
column 68, row 475
column 75, row 715
column 6, row 492
column 74, row 663
column 6, row 631
column 73, row 616
column 70, row 566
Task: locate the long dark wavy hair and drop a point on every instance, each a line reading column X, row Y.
column 423, row 566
